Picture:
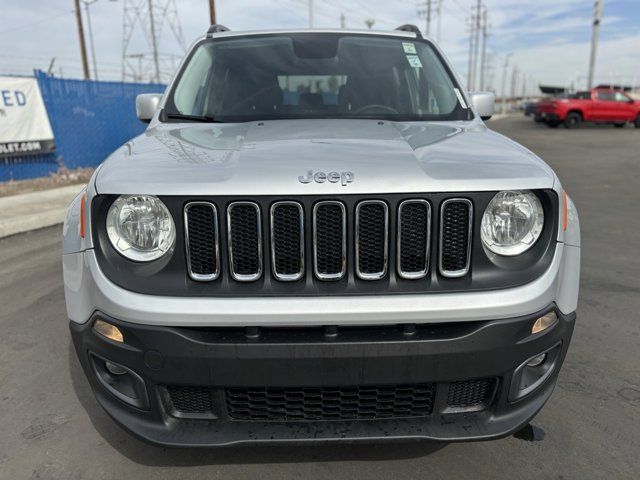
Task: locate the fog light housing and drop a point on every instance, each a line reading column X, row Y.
column 533, row 372
column 537, row 360
column 109, row 331
column 544, row 322
column 120, row 381
column 114, row 369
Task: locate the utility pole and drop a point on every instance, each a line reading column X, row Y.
column 483, row 58
column 212, row 11
column 597, row 17
column 310, row 13
column 439, row 20
column 504, row 82
column 514, row 81
column 424, row 11
column 470, row 65
column 154, row 42
column 83, row 48
column 476, row 43
column 87, row 4
column 343, row 21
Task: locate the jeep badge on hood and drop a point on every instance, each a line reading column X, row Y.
column 334, row 177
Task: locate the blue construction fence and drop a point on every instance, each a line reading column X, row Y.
column 90, row 119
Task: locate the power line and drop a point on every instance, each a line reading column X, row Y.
column 37, row 22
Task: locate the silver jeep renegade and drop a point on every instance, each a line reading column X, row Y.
column 318, row 238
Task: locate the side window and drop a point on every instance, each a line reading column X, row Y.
column 621, row 97
column 606, row 96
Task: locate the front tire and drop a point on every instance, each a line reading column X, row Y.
column 573, row 120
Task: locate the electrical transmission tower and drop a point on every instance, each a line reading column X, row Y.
column 143, row 22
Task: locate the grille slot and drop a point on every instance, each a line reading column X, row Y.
column 414, row 238
column 245, row 241
column 329, row 240
column 287, row 240
column 471, row 395
column 202, row 241
column 456, row 218
column 372, row 239
column 187, row 400
column 330, row 403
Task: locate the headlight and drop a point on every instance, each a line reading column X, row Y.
column 140, row 227
column 512, row 222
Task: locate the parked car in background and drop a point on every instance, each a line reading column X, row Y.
column 530, row 108
column 598, row 105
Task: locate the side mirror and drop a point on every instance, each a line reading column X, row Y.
column 484, row 104
column 146, row 106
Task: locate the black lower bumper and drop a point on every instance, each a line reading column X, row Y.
column 275, row 371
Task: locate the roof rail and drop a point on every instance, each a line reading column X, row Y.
column 216, row 28
column 408, row 27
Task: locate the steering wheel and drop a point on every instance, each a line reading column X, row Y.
column 385, row 108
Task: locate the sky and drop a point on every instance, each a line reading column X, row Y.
column 549, row 40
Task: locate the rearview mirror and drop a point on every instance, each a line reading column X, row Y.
column 484, row 104
column 146, row 106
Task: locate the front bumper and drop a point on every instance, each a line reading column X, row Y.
column 273, row 357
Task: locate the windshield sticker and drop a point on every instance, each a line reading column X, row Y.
column 460, row 98
column 409, row 48
column 414, row 61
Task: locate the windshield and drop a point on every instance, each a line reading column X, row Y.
column 311, row 75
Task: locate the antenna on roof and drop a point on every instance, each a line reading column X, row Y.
column 410, row 28
column 216, row 28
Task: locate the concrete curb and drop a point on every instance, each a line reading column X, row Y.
column 31, row 211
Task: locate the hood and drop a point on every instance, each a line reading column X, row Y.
column 267, row 158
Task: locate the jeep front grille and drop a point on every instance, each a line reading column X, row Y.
column 456, row 219
column 372, row 239
column 244, row 227
column 366, row 240
column 329, row 240
column 202, row 240
column 414, row 238
column 287, row 241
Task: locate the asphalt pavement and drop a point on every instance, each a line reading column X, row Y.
column 52, row 428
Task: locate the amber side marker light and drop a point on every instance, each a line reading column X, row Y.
column 107, row 330
column 83, row 203
column 544, row 322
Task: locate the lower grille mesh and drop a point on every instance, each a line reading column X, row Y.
column 470, row 394
column 186, row 399
column 325, row 403
column 259, row 404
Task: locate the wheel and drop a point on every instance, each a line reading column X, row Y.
column 618, row 125
column 573, row 120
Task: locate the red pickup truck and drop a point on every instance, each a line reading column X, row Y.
column 598, row 105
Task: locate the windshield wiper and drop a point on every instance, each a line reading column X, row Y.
column 193, row 118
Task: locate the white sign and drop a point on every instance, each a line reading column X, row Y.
column 24, row 124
